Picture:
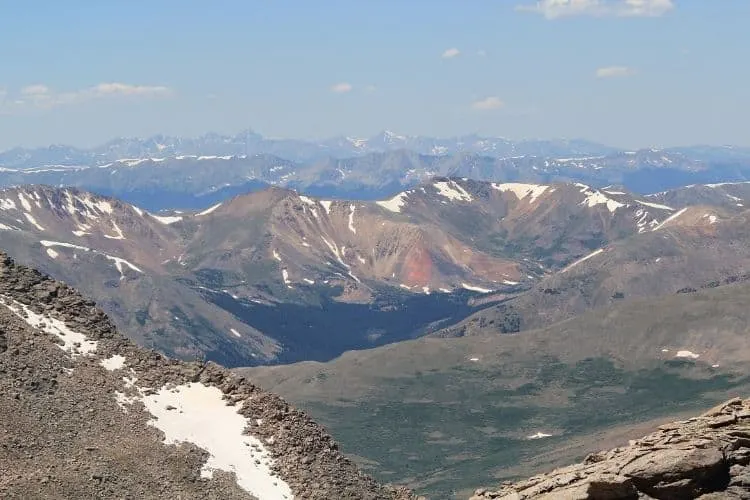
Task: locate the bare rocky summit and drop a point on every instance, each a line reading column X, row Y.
column 706, row 457
column 85, row 413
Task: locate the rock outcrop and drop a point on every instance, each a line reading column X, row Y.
column 85, row 413
column 706, row 457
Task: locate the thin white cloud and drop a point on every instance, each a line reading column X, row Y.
column 370, row 89
column 116, row 88
column 614, row 72
column 451, row 53
column 35, row 90
column 481, row 53
column 554, row 9
column 342, row 88
column 488, row 103
column 44, row 97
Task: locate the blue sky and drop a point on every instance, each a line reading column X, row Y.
column 630, row 73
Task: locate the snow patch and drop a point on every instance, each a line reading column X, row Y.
column 285, row 277
column 583, row 259
column 117, row 229
column 522, row 190
column 120, row 262
column 351, row 219
column 24, row 202
column 112, row 363
column 33, row 221
column 51, row 252
column 452, row 190
column 686, row 354
column 654, row 205
column 395, row 204
column 235, row 332
column 539, row 435
column 326, row 205
column 167, row 219
column 202, row 417
column 670, row 218
column 74, row 342
column 7, row 204
column 208, row 210
column 475, row 288
column 46, row 243
column 594, row 198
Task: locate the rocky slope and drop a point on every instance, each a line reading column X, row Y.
column 706, row 457
column 87, row 414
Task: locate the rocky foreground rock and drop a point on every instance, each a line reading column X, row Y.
column 706, row 457
column 85, row 413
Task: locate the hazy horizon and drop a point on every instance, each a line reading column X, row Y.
column 626, row 73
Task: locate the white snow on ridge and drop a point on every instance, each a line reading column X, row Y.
column 475, row 288
column 351, row 219
column 308, row 200
column 595, row 197
column 119, row 263
column 24, row 202
column 52, row 253
column 395, row 204
column 117, row 229
column 522, row 190
column 209, row 210
column 46, row 243
column 670, row 218
column 167, row 219
column 654, row 205
column 539, row 435
column 452, row 190
column 202, row 417
column 235, row 333
column 686, row 354
column 583, row 259
column 326, row 205
column 74, row 342
column 7, row 204
column 339, row 256
column 33, row 221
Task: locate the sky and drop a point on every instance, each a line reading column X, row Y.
column 628, row 73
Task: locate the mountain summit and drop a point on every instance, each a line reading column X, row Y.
column 87, row 414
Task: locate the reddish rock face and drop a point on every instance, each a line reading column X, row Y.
column 418, row 267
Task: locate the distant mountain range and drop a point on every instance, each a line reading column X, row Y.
column 193, row 173
column 249, row 143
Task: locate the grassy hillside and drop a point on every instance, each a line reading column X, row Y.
column 434, row 412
